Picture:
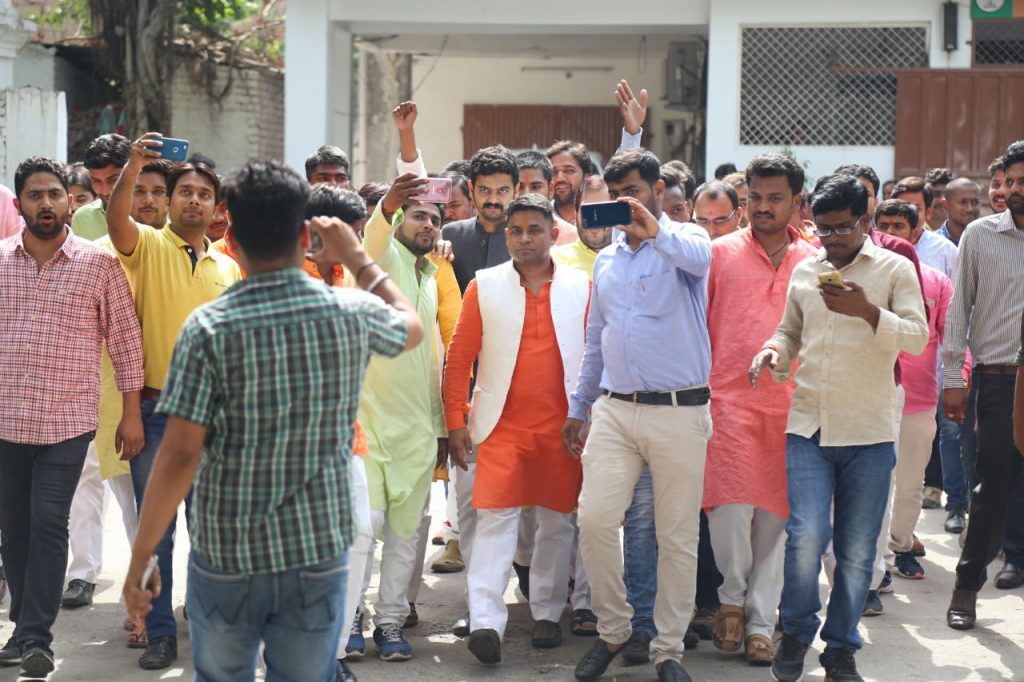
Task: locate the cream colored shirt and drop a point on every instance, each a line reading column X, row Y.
column 844, row 384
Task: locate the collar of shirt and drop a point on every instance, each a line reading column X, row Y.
column 867, row 250
column 409, row 259
column 168, row 233
column 621, row 239
column 273, row 277
column 1005, row 222
column 67, row 249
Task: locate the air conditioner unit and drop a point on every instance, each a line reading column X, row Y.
column 683, row 77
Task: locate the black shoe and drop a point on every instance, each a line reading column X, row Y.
column 413, row 619
column 160, row 653
column 595, row 662
column 79, row 593
column 691, row 639
column 547, row 634
column 1010, row 576
column 703, row 623
column 486, row 646
column 841, row 668
column 37, row 663
column 3, row 583
column 343, row 674
column 11, row 654
column 873, row 604
column 523, row 575
column 672, row 671
column 461, row 627
column 956, row 521
column 788, row 665
column 637, row 650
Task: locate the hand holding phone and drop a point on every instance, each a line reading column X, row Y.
column 173, row 149
column 436, row 191
column 603, row 214
column 832, row 279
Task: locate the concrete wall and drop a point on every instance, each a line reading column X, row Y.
column 726, row 21
column 455, row 81
column 40, row 120
column 247, row 123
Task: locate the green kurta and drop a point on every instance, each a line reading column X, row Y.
column 401, row 403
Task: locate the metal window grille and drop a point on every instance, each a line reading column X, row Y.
column 999, row 41
column 824, row 86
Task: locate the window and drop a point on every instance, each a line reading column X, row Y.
column 824, row 85
column 999, row 42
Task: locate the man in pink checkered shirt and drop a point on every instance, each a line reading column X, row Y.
column 62, row 298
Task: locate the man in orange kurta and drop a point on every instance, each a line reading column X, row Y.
column 524, row 322
column 745, row 473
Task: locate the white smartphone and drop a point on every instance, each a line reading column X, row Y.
column 148, row 573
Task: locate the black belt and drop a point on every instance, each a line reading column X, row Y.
column 689, row 397
column 1008, row 370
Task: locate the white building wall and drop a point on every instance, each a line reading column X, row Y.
column 40, row 119
column 456, row 81
column 729, row 16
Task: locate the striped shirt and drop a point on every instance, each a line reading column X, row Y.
column 53, row 322
column 273, row 368
column 988, row 297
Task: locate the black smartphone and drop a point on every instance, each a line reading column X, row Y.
column 605, row 214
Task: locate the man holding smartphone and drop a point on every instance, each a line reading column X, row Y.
column 647, row 407
column 840, row 432
column 174, row 271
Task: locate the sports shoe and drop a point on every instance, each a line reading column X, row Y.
column 788, row 665
column 932, row 498
column 37, row 663
column 908, row 567
column 356, row 647
column 391, row 643
column 956, row 521
column 841, row 668
column 10, row 654
column 886, row 585
column 872, row 604
column 485, row 645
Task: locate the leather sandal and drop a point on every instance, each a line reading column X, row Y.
column 729, row 624
column 760, row 650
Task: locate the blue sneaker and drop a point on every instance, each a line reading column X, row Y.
column 391, row 643
column 886, row 586
column 907, row 566
column 356, row 647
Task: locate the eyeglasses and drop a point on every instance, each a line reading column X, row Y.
column 717, row 222
column 841, row 230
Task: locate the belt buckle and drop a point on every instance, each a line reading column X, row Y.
column 635, row 400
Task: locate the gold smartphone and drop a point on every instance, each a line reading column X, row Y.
column 834, row 279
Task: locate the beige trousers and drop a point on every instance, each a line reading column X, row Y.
column 915, row 449
column 672, row 441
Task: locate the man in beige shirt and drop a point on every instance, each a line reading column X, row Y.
column 840, row 433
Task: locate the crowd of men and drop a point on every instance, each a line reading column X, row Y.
column 297, row 361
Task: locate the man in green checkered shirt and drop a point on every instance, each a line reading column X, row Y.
column 261, row 398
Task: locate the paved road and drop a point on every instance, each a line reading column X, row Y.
column 909, row 642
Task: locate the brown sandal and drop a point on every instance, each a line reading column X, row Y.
column 760, row 650
column 138, row 640
column 729, row 627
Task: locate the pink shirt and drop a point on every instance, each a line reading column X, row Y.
column 746, row 459
column 919, row 372
column 10, row 219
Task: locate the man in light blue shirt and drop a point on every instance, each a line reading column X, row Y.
column 644, row 381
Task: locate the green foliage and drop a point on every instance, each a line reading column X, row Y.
column 75, row 11
column 216, row 14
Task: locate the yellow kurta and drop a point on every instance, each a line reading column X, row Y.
column 400, row 407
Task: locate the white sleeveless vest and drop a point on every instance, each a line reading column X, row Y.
column 502, row 311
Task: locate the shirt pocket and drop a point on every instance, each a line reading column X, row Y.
column 78, row 310
column 657, row 294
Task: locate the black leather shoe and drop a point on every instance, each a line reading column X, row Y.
column 962, row 612
column 595, row 662
column 547, row 634
column 672, row 671
column 486, row 646
column 691, row 639
column 79, row 593
column 461, row 627
column 1010, row 576
column 11, row 654
column 637, row 650
column 523, row 576
column 343, row 674
column 956, row 521
column 160, row 653
column 37, row 663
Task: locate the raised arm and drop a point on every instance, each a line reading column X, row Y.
column 124, row 233
column 409, row 158
column 633, row 109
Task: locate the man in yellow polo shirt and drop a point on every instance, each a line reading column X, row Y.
column 174, row 271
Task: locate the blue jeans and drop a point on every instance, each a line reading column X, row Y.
column 641, row 555
column 297, row 614
column 160, row 621
column 954, row 481
column 857, row 479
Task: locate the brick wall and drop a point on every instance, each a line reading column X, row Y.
column 246, row 123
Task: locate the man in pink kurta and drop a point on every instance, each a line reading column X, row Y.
column 745, row 474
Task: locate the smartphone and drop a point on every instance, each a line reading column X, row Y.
column 834, row 279
column 316, row 244
column 605, row 214
column 437, row 191
column 173, row 149
column 148, row 573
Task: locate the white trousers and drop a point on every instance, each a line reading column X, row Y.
column 495, row 547
column 85, row 525
column 360, row 554
column 422, row 536
column 527, row 534
column 450, row 531
column 397, row 562
column 917, row 431
column 672, row 441
column 581, row 589
column 750, row 548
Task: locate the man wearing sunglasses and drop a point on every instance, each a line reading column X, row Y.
column 716, row 208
